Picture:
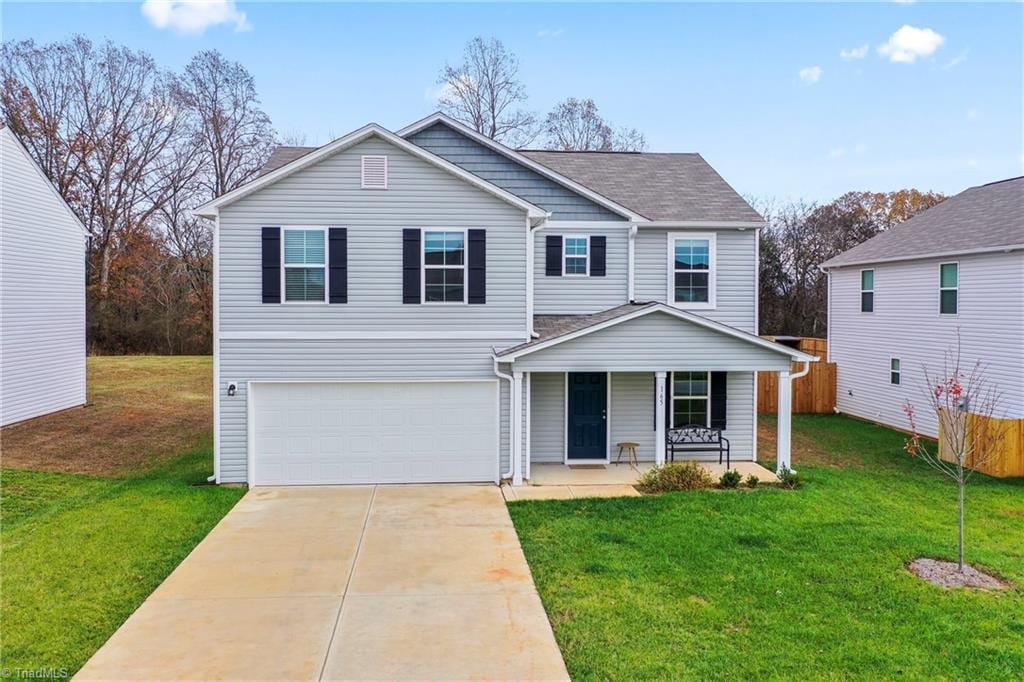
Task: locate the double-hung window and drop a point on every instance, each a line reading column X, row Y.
column 894, row 371
column 691, row 399
column 949, row 288
column 305, row 265
column 691, row 270
column 444, row 266
column 867, row 291
column 576, row 258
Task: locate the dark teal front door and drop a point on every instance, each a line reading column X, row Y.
column 588, row 415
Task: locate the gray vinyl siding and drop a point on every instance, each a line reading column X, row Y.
column 563, row 203
column 735, row 273
column 333, row 360
column 578, row 295
column 632, row 416
column 419, row 195
column 654, row 342
column 547, row 417
column 42, row 293
column 906, row 324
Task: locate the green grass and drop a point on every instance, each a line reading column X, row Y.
column 80, row 551
column 796, row 584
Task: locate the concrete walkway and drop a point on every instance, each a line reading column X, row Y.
column 385, row 582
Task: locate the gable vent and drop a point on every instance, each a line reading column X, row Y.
column 375, row 172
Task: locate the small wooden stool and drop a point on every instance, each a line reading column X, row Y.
column 630, row 449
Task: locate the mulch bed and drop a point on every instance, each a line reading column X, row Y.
column 948, row 574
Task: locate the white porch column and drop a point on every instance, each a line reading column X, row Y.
column 529, row 400
column 659, row 418
column 517, row 428
column 785, row 418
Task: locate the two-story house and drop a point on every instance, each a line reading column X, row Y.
column 429, row 306
column 900, row 300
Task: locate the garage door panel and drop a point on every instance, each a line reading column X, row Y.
column 375, row 432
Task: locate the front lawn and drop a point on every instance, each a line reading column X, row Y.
column 79, row 553
column 803, row 584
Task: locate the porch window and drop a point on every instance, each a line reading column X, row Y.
column 692, row 270
column 691, row 399
column 577, row 256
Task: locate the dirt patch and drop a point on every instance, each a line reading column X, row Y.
column 140, row 411
column 948, row 574
column 802, row 449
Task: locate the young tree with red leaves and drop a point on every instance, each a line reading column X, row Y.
column 964, row 403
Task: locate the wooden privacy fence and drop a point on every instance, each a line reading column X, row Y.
column 1007, row 455
column 815, row 392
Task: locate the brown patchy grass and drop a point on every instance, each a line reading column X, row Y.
column 141, row 410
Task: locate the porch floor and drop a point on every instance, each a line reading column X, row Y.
column 560, row 482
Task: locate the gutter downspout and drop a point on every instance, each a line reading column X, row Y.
column 507, row 377
column 631, row 264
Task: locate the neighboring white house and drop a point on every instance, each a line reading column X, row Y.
column 42, row 292
column 429, row 305
column 897, row 300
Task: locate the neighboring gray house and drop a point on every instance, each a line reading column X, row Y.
column 42, row 292
column 896, row 303
column 430, row 305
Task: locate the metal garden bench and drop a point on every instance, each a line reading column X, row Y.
column 696, row 439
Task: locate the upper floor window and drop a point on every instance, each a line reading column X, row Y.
column 894, row 371
column 692, row 270
column 949, row 288
column 867, row 291
column 576, row 260
column 305, row 267
column 444, row 267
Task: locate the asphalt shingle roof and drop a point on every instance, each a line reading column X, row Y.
column 552, row 326
column 984, row 217
column 658, row 186
column 283, row 155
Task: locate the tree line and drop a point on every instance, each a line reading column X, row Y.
column 133, row 148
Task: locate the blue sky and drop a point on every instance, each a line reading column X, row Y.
column 761, row 90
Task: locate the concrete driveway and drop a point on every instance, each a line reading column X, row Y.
column 374, row 582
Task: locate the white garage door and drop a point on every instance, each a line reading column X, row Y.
column 410, row 432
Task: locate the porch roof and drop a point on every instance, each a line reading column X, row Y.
column 559, row 329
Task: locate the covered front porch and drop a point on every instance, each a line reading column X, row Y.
column 628, row 380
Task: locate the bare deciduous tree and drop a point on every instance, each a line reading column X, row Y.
column 964, row 403
column 576, row 125
column 485, row 93
column 233, row 133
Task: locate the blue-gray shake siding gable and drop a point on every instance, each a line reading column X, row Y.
column 499, row 170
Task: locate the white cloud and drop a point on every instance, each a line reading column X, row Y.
column 904, row 2
column 973, row 114
column 836, row 153
column 908, row 43
column 550, row 32
column 192, row 17
column 811, row 74
column 860, row 149
column 854, row 53
column 957, row 60
column 972, row 163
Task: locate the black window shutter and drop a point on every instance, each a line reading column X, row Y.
column 718, row 399
column 553, row 255
column 410, row 266
column 477, row 258
column 271, row 264
column 337, row 260
column 597, row 255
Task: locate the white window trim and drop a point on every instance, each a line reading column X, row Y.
column 565, row 255
column 956, row 288
column 711, row 238
column 362, row 171
column 897, row 372
column 424, row 266
column 860, row 285
column 327, row 270
column 672, row 399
